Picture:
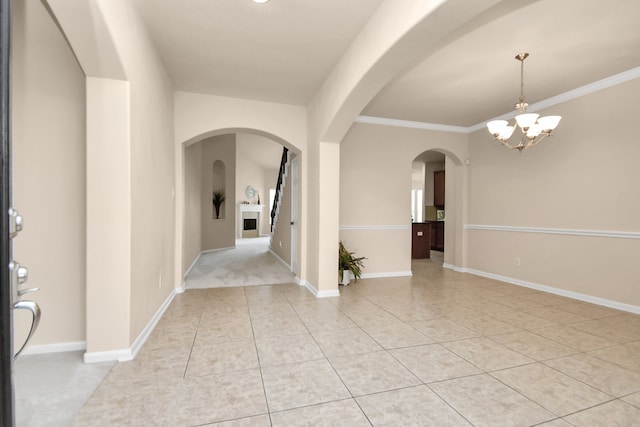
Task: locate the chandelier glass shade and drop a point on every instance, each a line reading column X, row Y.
column 533, row 127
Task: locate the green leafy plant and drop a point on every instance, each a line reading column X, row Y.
column 218, row 200
column 347, row 261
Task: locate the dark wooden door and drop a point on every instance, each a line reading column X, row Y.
column 6, row 327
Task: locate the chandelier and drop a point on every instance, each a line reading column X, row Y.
column 534, row 128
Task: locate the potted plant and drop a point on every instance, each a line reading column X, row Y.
column 218, row 199
column 348, row 262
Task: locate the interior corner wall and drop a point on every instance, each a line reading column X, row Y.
column 218, row 233
column 375, row 191
column 311, row 249
column 583, row 178
column 152, row 157
column 192, row 235
column 48, row 127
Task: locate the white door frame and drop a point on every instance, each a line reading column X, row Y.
column 294, row 213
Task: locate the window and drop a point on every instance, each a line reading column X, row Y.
column 416, row 205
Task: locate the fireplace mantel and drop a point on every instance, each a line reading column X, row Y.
column 250, row 209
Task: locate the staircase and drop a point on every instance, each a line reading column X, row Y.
column 282, row 174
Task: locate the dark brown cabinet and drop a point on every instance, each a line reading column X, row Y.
column 437, row 236
column 438, row 189
column 421, row 240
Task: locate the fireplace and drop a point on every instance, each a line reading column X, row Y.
column 250, row 224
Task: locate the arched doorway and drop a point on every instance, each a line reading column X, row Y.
column 252, row 161
column 428, row 204
column 437, row 200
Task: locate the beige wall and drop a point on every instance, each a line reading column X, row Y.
column 108, row 256
column 152, row 168
column 48, row 171
column 375, row 186
column 193, row 202
column 152, row 164
column 584, row 178
column 130, row 173
column 218, row 233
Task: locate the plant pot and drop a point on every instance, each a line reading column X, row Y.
column 345, row 278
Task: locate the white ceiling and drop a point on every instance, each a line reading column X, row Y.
column 281, row 51
column 571, row 43
column 264, row 151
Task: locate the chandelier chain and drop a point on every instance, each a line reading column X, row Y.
column 522, row 80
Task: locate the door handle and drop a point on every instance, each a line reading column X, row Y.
column 34, row 308
column 16, row 223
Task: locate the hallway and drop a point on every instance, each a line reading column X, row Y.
column 250, row 263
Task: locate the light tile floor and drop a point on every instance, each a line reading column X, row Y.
column 438, row 349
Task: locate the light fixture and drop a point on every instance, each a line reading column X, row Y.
column 260, row 1
column 534, row 128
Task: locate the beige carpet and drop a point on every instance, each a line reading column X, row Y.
column 249, row 263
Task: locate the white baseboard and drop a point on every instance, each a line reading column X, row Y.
column 385, row 274
column 550, row 289
column 454, row 268
column 126, row 354
column 55, row 348
column 193, row 264
column 317, row 293
column 216, row 250
column 108, row 356
column 283, row 262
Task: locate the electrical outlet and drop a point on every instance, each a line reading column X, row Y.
column 518, row 262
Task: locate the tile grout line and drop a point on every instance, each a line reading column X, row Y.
column 264, row 389
column 353, row 398
column 195, row 336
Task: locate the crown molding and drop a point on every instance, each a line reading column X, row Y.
column 596, row 86
column 409, row 124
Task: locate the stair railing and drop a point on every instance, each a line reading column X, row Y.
column 276, row 199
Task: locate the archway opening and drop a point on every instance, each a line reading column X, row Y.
column 428, row 206
column 436, row 207
column 246, row 163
